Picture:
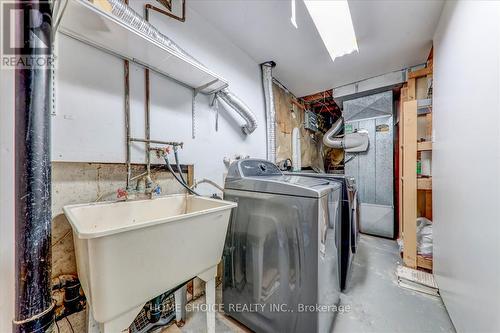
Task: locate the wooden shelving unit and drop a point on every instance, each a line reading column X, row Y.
column 422, row 146
column 424, row 184
column 415, row 193
column 424, row 262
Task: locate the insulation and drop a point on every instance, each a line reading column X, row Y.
column 287, row 118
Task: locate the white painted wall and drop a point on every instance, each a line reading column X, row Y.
column 6, row 199
column 89, row 121
column 89, row 124
column 466, row 163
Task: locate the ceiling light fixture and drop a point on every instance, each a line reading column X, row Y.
column 334, row 23
column 293, row 18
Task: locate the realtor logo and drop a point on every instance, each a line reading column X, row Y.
column 26, row 37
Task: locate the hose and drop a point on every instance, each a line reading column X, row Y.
column 208, row 181
column 177, row 178
column 330, row 140
column 179, row 166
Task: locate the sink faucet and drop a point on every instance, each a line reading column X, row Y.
column 145, row 187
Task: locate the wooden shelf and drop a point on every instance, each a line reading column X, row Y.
column 424, row 184
column 94, row 26
column 415, row 193
column 423, row 262
column 426, row 145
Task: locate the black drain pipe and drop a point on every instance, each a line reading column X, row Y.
column 34, row 309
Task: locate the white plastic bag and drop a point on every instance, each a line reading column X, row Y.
column 424, row 237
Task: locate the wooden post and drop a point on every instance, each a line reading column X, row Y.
column 190, row 175
column 409, row 188
column 412, row 89
column 403, row 99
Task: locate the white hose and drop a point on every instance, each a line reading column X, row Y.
column 208, row 181
column 329, row 138
column 228, row 99
column 130, row 17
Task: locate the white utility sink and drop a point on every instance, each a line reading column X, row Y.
column 129, row 252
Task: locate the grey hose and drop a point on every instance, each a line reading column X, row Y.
column 177, row 178
column 179, row 166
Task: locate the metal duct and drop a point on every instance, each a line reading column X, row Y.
column 227, row 98
column 130, row 17
column 329, row 138
column 267, row 83
column 350, row 142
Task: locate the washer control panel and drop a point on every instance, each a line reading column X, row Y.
column 258, row 168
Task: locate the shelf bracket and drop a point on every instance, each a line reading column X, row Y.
column 206, row 85
column 193, row 114
column 211, row 92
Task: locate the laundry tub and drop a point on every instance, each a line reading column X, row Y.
column 129, row 252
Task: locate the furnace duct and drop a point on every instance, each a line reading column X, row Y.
column 130, row 17
column 267, row 83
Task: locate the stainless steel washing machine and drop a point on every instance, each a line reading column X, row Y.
column 350, row 218
column 281, row 258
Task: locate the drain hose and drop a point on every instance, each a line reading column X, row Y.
column 169, row 167
column 176, row 155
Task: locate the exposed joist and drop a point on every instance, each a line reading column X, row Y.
column 318, row 96
column 297, row 104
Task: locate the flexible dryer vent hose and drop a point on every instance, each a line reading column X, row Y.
column 130, row 17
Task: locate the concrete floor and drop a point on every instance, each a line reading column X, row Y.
column 377, row 303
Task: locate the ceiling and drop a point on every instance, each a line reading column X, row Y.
column 391, row 35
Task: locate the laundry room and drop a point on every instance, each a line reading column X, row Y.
column 249, row 166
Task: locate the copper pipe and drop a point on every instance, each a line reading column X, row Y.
column 168, row 143
column 159, row 10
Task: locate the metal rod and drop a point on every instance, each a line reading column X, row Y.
column 147, row 124
column 126, row 69
column 178, row 18
column 126, row 66
column 148, row 110
column 168, row 143
column 138, row 176
column 193, row 114
column 34, row 309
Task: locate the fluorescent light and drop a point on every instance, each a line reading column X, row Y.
column 293, row 18
column 334, row 23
